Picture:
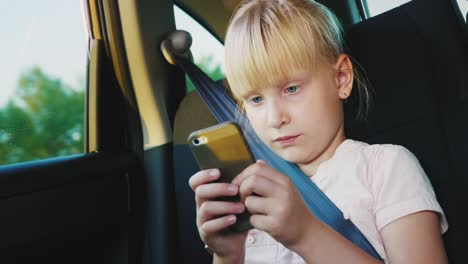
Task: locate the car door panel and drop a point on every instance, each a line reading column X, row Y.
column 61, row 203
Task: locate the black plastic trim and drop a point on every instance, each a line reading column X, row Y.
column 24, row 178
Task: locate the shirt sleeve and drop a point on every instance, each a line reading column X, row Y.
column 401, row 187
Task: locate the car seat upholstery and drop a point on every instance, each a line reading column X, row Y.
column 415, row 59
column 191, row 115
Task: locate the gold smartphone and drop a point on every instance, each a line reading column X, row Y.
column 224, row 147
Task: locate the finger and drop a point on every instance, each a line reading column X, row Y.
column 213, row 209
column 257, row 204
column 259, row 168
column 258, row 185
column 217, row 224
column 250, row 170
column 262, row 222
column 261, row 161
column 203, row 177
column 214, row 190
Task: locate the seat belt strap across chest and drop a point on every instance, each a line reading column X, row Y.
column 224, row 108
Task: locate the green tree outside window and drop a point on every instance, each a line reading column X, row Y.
column 45, row 119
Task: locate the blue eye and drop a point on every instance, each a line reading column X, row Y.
column 292, row 89
column 256, row 99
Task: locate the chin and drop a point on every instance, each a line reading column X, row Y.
column 291, row 155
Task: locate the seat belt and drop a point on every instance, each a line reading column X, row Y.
column 224, row 108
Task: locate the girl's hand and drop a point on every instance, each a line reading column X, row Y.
column 275, row 204
column 214, row 216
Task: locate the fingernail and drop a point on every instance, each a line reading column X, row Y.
column 232, row 188
column 231, row 218
column 213, row 173
column 239, row 208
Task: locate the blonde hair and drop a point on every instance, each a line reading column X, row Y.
column 268, row 38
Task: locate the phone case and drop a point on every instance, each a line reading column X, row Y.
column 223, row 146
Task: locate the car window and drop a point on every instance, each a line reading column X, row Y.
column 42, row 80
column 375, row 7
column 207, row 51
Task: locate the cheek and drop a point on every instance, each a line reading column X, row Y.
column 257, row 120
column 330, row 117
column 318, row 111
column 254, row 118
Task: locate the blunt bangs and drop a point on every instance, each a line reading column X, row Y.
column 269, row 39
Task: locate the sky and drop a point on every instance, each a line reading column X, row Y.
column 54, row 39
column 34, row 34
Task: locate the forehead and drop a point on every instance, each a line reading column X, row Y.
column 294, row 76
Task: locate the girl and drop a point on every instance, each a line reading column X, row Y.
column 285, row 64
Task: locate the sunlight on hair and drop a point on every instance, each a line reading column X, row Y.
column 268, row 39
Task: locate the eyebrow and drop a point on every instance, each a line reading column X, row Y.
column 292, row 78
column 278, row 85
column 297, row 80
column 247, row 95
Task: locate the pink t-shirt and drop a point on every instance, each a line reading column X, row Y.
column 372, row 185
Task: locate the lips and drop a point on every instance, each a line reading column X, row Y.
column 285, row 138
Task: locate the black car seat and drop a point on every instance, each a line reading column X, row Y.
column 415, row 59
column 191, row 115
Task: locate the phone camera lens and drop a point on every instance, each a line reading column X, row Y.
column 199, row 141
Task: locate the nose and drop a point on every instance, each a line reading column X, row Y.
column 277, row 115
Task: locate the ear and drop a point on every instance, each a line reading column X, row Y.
column 344, row 76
